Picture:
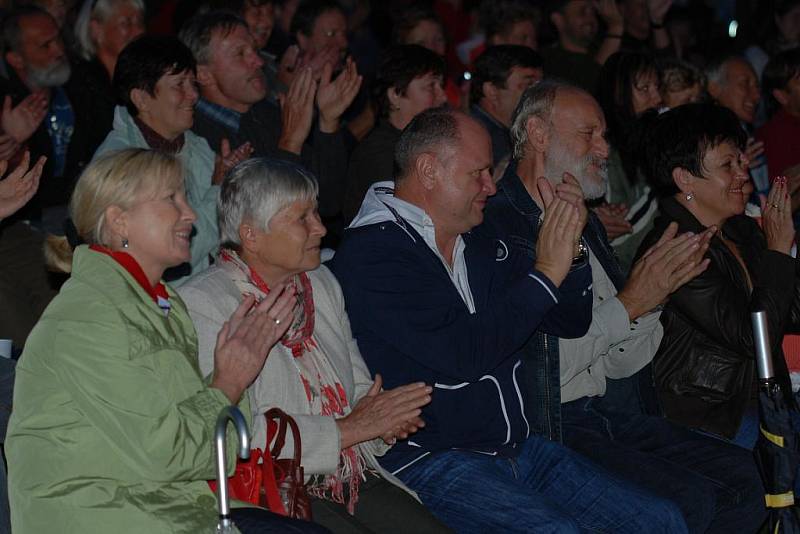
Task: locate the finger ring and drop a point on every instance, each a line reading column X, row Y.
column 774, row 205
column 277, row 321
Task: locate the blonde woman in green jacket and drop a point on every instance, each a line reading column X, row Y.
column 112, row 426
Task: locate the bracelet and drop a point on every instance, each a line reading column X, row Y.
column 656, row 26
column 613, row 36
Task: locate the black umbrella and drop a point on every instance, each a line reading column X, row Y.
column 776, row 451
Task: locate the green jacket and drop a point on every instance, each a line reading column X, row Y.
column 113, row 427
column 197, row 159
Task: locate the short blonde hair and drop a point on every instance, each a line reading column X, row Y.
column 120, row 178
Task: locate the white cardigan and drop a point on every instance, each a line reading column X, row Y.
column 211, row 297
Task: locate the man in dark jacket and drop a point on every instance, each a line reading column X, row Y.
column 429, row 301
column 560, row 129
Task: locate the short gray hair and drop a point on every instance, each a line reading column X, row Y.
column 99, row 10
column 537, row 101
column 717, row 71
column 429, row 131
column 255, row 190
column 199, row 30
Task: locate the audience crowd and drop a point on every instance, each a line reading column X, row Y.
column 496, row 258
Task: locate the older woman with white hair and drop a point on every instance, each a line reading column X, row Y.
column 102, row 30
column 271, row 236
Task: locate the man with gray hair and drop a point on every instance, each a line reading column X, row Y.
column 430, row 301
column 733, row 83
column 597, row 384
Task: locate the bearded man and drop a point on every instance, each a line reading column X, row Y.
column 591, row 393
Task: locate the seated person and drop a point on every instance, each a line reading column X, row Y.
column 781, row 134
column 409, row 81
column 500, row 76
column 430, row 301
column 628, row 88
column 704, row 367
column 271, row 234
column 233, row 108
column 155, row 79
column 113, row 427
column 681, row 83
column 596, row 382
column 102, row 30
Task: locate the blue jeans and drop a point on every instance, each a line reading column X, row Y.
column 545, row 489
column 715, row 484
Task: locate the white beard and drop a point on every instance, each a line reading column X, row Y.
column 557, row 162
column 52, row 76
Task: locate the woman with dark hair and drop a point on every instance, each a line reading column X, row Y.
column 628, row 88
column 704, row 367
column 155, row 78
column 409, row 81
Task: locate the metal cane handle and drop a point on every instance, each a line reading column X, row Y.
column 232, row 414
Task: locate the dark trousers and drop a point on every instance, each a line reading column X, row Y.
column 25, row 290
column 382, row 508
column 260, row 521
column 715, row 484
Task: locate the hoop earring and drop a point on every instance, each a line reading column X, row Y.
column 689, row 196
column 124, row 243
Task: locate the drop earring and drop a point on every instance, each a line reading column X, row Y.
column 124, row 243
column 689, row 196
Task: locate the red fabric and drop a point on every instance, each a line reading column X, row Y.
column 781, row 137
column 132, row 266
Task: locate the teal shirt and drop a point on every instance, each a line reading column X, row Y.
column 197, row 159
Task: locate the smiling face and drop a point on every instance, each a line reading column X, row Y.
column 170, row 109
column 291, row 244
column 125, row 23
column 158, row 229
column 330, row 30
column 464, row 180
column 260, row 20
column 721, row 192
column 235, row 70
column 577, row 144
column 739, row 90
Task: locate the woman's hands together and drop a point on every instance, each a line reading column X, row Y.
column 246, row 338
column 388, row 414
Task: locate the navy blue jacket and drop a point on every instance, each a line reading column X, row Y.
column 412, row 325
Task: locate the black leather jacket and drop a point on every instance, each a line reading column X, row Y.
column 704, row 368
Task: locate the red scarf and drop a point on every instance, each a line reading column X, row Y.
column 158, row 293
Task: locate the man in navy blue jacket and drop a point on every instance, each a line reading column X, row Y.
column 428, row 301
column 602, row 377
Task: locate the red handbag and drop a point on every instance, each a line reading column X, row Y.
column 276, row 484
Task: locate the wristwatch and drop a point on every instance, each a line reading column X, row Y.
column 583, row 253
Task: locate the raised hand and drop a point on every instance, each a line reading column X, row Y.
column 558, row 234
column 245, row 340
column 8, row 147
column 228, row 159
column 20, row 185
column 294, row 61
column 753, row 150
column 388, row 414
column 663, row 268
column 21, row 122
column 334, row 97
column 613, row 218
column 297, row 112
column 611, row 15
column 776, row 217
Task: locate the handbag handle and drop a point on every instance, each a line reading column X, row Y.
column 284, row 420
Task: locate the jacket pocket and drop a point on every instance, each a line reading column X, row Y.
column 471, row 414
column 715, row 374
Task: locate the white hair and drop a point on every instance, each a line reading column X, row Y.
column 255, row 190
column 99, row 10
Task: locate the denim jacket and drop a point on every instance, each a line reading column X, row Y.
column 513, row 216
